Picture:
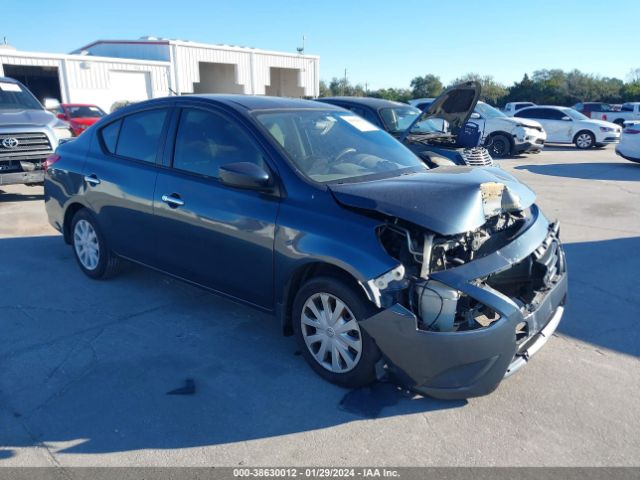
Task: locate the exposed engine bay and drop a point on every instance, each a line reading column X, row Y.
column 445, row 309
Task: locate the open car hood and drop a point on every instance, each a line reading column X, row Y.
column 445, row 200
column 455, row 105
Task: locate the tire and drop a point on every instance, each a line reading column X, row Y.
column 499, row 146
column 316, row 291
column 584, row 140
column 90, row 248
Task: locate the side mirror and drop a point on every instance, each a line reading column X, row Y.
column 244, row 175
column 475, row 116
column 566, row 118
column 51, row 103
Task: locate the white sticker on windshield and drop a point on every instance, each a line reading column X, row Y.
column 360, row 123
column 10, row 87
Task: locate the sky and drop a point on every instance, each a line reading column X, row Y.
column 379, row 43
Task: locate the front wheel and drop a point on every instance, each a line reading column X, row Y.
column 499, row 146
column 326, row 319
column 90, row 248
column 585, row 140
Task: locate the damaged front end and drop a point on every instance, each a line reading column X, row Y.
column 462, row 311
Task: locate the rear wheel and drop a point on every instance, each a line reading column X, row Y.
column 585, row 140
column 326, row 316
column 90, row 248
column 499, row 146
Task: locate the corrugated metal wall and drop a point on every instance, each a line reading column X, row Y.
column 86, row 79
column 253, row 68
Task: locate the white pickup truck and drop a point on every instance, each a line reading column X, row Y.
column 629, row 111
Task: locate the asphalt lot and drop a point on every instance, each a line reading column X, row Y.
column 85, row 366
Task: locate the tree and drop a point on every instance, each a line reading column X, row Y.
column 427, row 86
column 492, row 91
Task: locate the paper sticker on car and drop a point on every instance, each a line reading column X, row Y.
column 10, row 87
column 359, row 123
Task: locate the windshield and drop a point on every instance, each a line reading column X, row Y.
column 84, row 111
column 576, row 115
column 333, row 146
column 487, row 111
column 398, row 119
column 14, row 97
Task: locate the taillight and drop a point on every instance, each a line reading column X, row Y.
column 51, row 159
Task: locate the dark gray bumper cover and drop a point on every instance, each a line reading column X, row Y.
column 470, row 363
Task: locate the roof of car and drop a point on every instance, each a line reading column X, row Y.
column 257, row 102
column 547, row 106
column 365, row 101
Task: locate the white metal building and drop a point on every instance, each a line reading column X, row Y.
column 107, row 71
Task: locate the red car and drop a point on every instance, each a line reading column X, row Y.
column 79, row 115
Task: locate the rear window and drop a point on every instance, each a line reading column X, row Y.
column 110, row 136
column 136, row 136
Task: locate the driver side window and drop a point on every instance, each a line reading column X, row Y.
column 206, row 140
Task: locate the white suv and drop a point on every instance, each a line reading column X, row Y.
column 566, row 125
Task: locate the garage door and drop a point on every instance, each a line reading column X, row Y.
column 133, row 86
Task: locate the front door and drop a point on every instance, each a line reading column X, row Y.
column 218, row 236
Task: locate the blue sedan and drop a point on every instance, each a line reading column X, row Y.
column 445, row 280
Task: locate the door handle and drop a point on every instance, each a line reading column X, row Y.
column 172, row 200
column 92, row 179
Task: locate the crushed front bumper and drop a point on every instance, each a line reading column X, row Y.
column 472, row 363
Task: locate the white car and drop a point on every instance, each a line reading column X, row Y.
column 629, row 146
column 566, row 125
column 501, row 135
column 512, row 107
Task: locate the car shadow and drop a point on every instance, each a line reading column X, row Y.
column 95, row 360
column 88, row 365
column 17, row 197
column 588, row 171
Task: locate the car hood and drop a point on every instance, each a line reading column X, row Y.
column 600, row 123
column 455, row 105
column 445, row 200
column 528, row 122
column 32, row 118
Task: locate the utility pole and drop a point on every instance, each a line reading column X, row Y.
column 344, row 83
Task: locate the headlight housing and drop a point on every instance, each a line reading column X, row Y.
column 62, row 132
column 607, row 129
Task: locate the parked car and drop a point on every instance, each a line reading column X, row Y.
column 586, row 108
column 512, row 107
column 628, row 111
column 448, row 279
column 422, row 134
column 28, row 134
column 629, row 146
column 501, row 135
column 566, row 125
column 79, row 115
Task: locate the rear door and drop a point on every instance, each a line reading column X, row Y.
column 218, row 236
column 120, row 175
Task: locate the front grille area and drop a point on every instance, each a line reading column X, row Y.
column 534, row 275
column 477, row 157
column 32, row 149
